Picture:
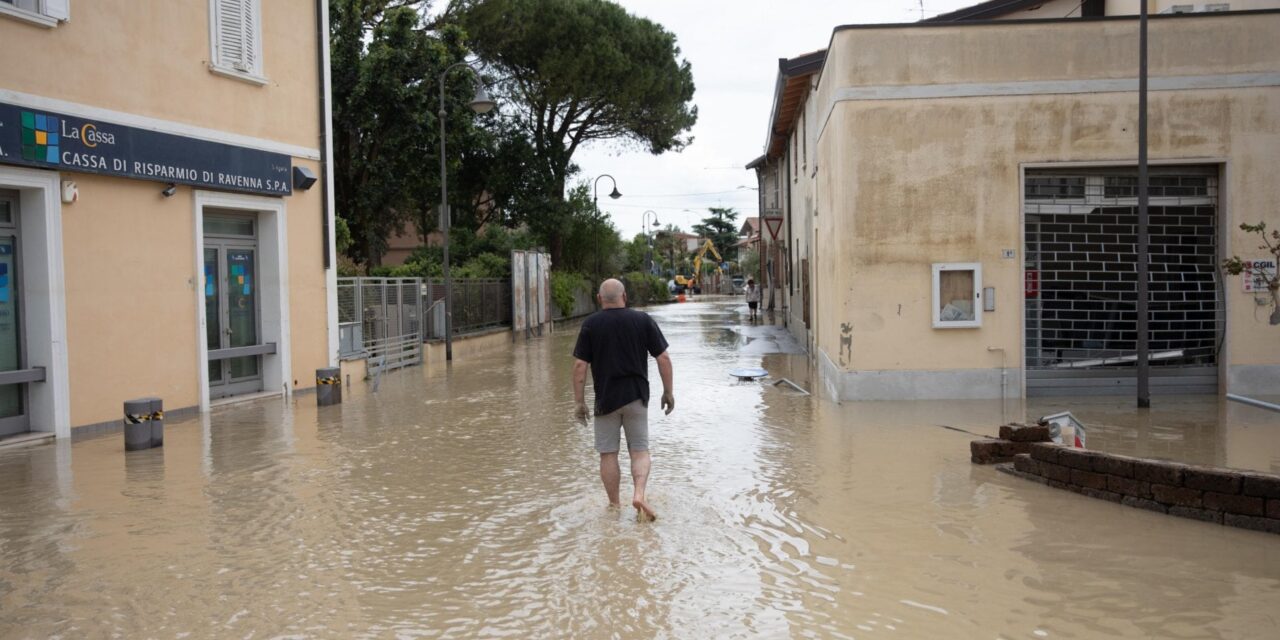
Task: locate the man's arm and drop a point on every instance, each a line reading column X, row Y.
column 580, row 387
column 668, row 383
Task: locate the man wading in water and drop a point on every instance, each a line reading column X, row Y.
column 614, row 343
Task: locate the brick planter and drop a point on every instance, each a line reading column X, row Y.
column 1245, row 499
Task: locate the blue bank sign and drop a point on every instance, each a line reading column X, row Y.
column 48, row 140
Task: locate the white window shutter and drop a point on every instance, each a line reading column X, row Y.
column 249, row 53
column 57, row 9
column 229, row 29
column 237, row 34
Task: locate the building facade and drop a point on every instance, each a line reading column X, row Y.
column 963, row 213
column 166, row 227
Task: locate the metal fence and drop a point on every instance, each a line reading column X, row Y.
column 478, row 304
column 381, row 320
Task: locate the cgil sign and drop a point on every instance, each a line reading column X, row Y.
column 48, row 140
column 1256, row 273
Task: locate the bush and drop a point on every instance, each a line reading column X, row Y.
column 643, row 288
column 564, row 284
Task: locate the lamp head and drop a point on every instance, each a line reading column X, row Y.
column 616, row 194
column 482, row 103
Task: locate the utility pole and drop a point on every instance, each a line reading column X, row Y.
column 1143, row 312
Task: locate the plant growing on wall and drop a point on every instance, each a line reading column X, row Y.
column 1235, row 265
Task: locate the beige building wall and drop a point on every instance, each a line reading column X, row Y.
column 911, row 176
column 129, row 254
column 152, row 59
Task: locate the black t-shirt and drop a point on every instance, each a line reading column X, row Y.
column 616, row 342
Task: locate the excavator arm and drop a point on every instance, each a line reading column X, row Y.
column 697, row 260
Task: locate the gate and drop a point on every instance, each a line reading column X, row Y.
column 381, row 318
column 1081, row 281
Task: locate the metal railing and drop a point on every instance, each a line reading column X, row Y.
column 478, row 304
column 381, row 320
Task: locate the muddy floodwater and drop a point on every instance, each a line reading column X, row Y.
column 466, row 503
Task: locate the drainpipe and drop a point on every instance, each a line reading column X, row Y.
column 322, row 66
column 326, row 180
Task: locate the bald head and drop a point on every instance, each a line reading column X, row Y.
column 612, row 294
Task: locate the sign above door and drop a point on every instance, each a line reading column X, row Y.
column 49, row 140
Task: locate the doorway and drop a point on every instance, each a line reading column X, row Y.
column 232, row 310
column 14, row 417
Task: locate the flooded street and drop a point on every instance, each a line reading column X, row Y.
column 466, row 503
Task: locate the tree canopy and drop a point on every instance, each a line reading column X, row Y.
column 576, row 71
column 385, row 63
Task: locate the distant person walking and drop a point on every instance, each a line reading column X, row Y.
column 614, row 343
column 753, row 297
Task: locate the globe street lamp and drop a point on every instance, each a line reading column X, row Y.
column 596, row 188
column 481, row 103
column 648, row 235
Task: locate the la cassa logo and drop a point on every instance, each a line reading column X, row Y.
column 40, row 137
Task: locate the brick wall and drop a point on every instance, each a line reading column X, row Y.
column 1246, row 499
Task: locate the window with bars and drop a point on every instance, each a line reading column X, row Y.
column 236, row 37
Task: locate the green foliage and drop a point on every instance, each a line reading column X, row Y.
column 722, row 229
column 342, row 235
column 574, row 71
column 386, row 61
column 591, row 243
column 564, row 286
column 637, row 254
column 644, row 289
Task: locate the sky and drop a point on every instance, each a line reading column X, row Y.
column 733, row 47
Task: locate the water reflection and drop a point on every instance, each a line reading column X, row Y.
column 464, row 502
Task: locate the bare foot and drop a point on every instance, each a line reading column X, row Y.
column 644, row 513
column 615, row 505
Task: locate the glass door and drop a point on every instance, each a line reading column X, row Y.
column 13, row 397
column 231, row 304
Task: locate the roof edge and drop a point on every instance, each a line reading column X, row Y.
column 977, row 23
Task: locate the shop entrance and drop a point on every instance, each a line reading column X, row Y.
column 13, row 395
column 1082, row 281
column 232, row 318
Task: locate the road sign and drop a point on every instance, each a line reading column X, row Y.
column 774, row 224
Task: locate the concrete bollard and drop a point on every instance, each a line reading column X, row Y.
column 328, row 386
column 137, row 424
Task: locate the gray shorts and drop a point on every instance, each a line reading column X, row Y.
column 632, row 418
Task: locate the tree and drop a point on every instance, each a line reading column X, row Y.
column 592, row 245
column 576, row 71
column 637, row 254
column 722, row 229
column 385, row 61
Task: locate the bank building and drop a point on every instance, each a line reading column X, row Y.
column 166, row 224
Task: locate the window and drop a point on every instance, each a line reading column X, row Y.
column 957, row 293
column 46, row 13
column 1182, row 8
column 236, row 39
column 1217, row 6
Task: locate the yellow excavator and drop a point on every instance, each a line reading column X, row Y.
column 692, row 281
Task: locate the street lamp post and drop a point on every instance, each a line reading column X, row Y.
column 648, row 235
column 481, row 103
column 615, row 194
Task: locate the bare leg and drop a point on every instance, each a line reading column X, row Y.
column 640, row 477
column 611, row 476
